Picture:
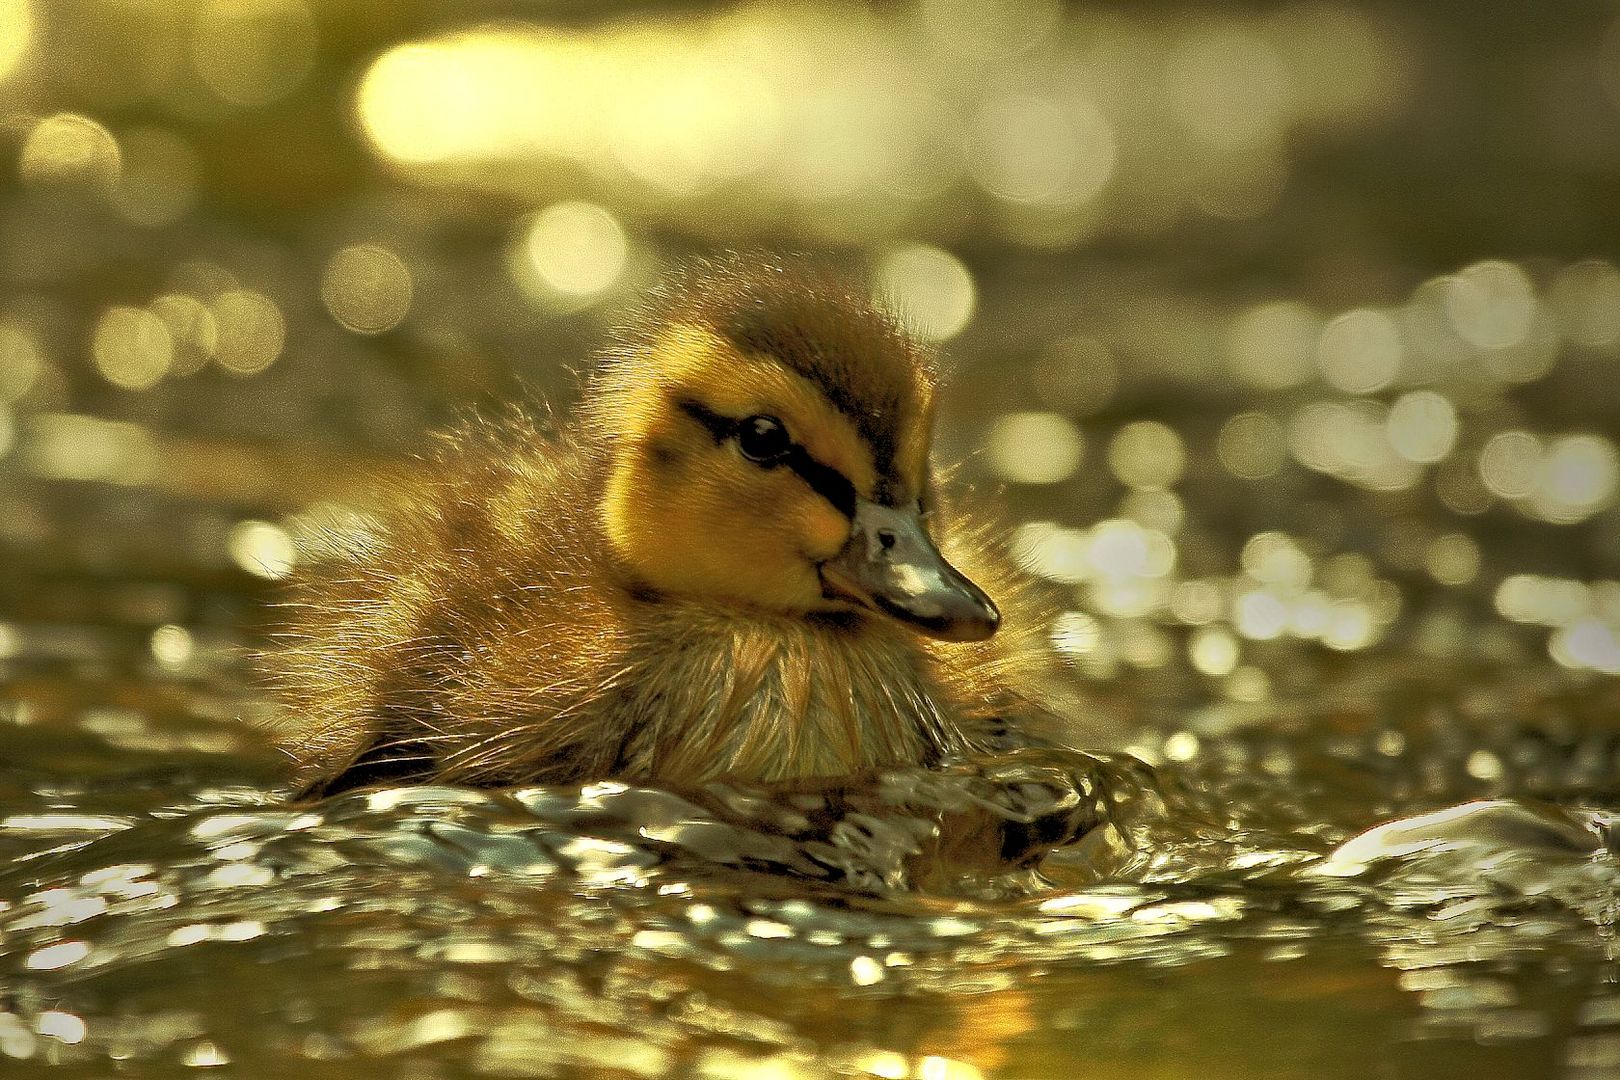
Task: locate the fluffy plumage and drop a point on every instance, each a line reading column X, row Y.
column 627, row 595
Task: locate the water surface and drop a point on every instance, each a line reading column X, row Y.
column 167, row 909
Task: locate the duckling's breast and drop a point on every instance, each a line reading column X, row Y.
column 773, row 700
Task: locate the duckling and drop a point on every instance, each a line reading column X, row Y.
column 734, row 561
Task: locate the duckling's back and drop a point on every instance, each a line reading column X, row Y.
column 395, row 655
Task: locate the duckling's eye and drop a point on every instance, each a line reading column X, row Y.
column 763, row 439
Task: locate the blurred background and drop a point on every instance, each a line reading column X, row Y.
column 1289, row 327
column 1289, row 331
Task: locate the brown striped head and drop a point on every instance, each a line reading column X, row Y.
column 767, row 432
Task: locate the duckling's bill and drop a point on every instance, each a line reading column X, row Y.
column 891, row 565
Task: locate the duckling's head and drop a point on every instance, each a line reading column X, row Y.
column 766, row 432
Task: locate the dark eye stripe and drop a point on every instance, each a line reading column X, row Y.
column 720, row 427
column 824, row 480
